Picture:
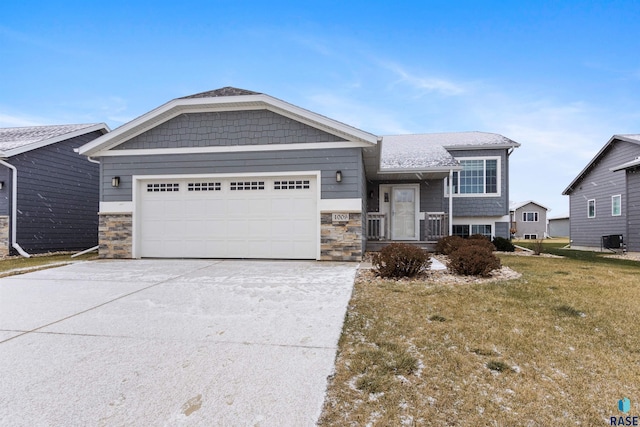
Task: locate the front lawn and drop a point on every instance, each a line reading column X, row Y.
column 559, row 346
column 17, row 264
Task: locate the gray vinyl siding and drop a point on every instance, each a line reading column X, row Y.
column 430, row 194
column 502, row 230
column 328, row 161
column 5, row 193
column 633, row 210
column 600, row 183
column 531, row 227
column 57, row 197
column 484, row 206
column 227, row 128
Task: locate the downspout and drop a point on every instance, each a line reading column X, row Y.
column 14, row 209
column 450, row 202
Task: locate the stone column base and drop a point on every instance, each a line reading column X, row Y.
column 341, row 237
column 5, row 241
column 115, row 231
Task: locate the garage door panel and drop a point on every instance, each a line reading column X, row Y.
column 207, row 219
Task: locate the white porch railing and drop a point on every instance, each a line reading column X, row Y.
column 376, row 226
column 436, row 226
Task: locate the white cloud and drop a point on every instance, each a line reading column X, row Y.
column 17, row 120
column 429, row 84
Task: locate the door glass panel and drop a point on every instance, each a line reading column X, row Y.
column 404, row 214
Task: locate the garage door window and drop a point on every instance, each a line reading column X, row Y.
column 204, row 186
column 162, row 187
column 247, row 185
column 291, row 185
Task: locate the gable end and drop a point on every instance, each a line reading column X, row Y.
column 227, row 128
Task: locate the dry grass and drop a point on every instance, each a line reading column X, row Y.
column 17, row 265
column 558, row 346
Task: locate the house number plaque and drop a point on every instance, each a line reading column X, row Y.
column 340, row 217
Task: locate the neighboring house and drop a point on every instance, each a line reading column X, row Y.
column 49, row 193
column 232, row 173
column 605, row 197
column 528, row 220
column 559, row 226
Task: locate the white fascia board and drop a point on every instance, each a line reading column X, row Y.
column 39, row 144
column 481, row 147
column 424, row 170
column 231, row 149
column 341, row 205
column 229, row 103
column 116, row 207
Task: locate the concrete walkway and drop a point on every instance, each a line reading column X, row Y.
column 170, row 342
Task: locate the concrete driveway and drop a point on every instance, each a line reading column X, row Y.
column 170, row 342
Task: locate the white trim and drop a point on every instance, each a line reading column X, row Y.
column 535, row 214
column 231, row 149
column 619, row 196
column 498, row 175
column 176, row 107
column 136, row 181
column 55, row 139
column 116, row 207
column 340, row 205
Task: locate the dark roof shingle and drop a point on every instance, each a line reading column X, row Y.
column 225, row 91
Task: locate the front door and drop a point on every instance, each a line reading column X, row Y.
column 404, row 213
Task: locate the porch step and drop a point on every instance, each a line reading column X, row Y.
column 377, row 245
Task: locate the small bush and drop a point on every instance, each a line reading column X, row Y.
column 498, row 366
column 503, row 245
column 473, row 260
column 448, row 244
column 401, row 260
column 538, row 246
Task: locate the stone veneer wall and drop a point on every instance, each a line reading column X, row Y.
column 115, row 233
column 341, row 241
column 4, row 235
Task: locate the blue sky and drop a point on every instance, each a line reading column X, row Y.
column 559, row 77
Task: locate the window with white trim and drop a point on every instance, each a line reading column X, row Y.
column 246, row 185
column 465, row 230
column 616, row 205
column 479, row 176
column 162, row 187
column 591, row 208
column 530, row 237
column 529, row 216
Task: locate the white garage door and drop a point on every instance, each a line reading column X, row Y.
column 243, row 217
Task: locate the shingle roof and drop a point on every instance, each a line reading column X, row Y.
column 17, row 137
column 225, row 91
column 428, row 151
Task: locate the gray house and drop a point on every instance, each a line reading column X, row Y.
column 232, row 173
column 48, row 193
column 528, row 220
column 605, row 197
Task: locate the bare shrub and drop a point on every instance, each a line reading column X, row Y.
column 401, row 260
column 448, row 244
column 473, row 260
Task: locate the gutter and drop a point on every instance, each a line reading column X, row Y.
column 450, row 202
column 14, row 209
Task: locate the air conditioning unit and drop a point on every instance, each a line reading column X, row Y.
column 612, row 241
